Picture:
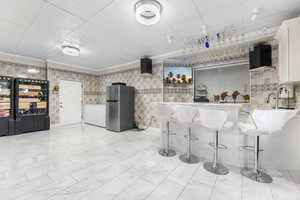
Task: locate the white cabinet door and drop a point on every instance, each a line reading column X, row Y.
column 283, row 57
column 294, row 50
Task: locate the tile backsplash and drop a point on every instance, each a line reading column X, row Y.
column 149, row 88
column 90, row 89
column 90, row 83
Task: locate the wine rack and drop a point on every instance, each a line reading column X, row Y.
column 31, row 105
column 6, row 105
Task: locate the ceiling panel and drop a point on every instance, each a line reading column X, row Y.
column 109, row 34
column 82, row 8
column 10, row 35
column 21, row 12
column 47, row 31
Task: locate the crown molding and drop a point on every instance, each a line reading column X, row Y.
column 136, row 64
column 72, row 68
column 22, row 60
column 6, row 57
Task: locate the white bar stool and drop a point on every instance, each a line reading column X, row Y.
column 164, row 115
column 185, row 115
column 215, row 120
column 263, row 122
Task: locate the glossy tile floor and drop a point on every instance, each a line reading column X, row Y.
column 90, row 163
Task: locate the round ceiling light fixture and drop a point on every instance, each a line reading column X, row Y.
column 148, row 12
column 70, row 49
column 254, row 14
column 33, row 71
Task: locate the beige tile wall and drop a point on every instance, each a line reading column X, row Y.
column 18, row 70
column 148, row 90
column 263, row 83
column 90, row 89
column 90, row 82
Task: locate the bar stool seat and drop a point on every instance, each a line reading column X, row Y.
column 215, row 121
column 184, row 115
column 263, row 122
column 164, row 114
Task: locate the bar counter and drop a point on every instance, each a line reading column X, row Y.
column 280, row 150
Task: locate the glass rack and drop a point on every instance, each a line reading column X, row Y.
column 32, row 99
column 5, row 97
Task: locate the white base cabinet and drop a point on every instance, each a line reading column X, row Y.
column 95, row 114
column 289, row 51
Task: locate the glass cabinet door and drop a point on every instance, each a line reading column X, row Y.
column 32, row 99
column 5, row 97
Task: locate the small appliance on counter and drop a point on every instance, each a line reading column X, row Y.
column 286, row 97
column 6, row 105
column 119, row 107
column 201, row 94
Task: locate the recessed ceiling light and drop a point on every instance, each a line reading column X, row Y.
column 204, row 29
column 170, row 39
column 70, row 49
column 148, row 12
column 254, row 14
column 33, row 71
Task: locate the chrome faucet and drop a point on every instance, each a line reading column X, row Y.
column 269, row 96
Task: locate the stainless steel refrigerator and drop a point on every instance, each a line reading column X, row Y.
column 119, row 108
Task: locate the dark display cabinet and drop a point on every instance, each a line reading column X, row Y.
column 31, row 101
column 6, row 105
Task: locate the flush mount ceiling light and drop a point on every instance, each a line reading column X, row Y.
column 70, row 49
column 170, row 39
column 204, row 29
column 148, row 12
column 33, row 71
column 254, row 14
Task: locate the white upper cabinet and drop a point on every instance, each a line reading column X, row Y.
column 289, row 51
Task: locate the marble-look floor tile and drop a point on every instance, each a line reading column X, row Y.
column 196, row 191
column 283, row 187
column 138, row 190
column 167, row 190
column 91, row 163
column 255, row 191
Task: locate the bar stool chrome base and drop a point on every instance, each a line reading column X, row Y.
column 165, row 153
column 192, row 159
column 219, row 169
column 258, row 176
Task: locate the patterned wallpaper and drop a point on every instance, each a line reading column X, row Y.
column 148, row 90
column 263, row 83
column 90, row 83
column 18, row 70
column 90, row 89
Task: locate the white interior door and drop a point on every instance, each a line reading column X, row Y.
column 70, row 102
